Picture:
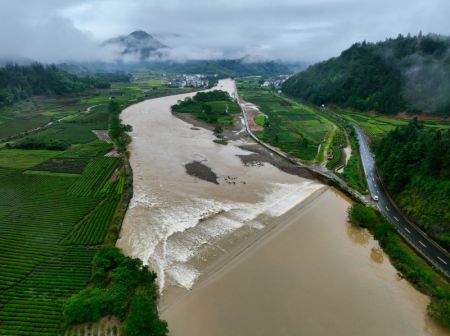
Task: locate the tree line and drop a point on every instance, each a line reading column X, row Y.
column 20, row 82
column 414, row 163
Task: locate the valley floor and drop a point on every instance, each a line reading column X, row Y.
column 261, row 251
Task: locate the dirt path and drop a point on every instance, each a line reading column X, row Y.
column 103, row 135
column 252, row 111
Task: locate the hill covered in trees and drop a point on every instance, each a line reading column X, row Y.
column 20, row 82
column 414, row 163
column 409, row 74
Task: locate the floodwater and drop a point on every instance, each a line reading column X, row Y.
column 178, row 223
column 262, row 252
column 317, row 275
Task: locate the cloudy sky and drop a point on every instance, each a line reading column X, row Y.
column 292, row 30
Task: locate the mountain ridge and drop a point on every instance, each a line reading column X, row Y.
column 138, row 44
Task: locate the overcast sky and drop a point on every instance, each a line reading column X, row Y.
column 293, row 30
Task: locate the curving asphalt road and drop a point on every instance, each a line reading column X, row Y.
column 418, row 239
column 423, row 244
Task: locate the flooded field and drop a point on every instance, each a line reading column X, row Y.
column 246, row 249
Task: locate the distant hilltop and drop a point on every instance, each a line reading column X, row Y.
column 139, row 45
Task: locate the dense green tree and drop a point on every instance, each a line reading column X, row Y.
column 409, row 74
column 20, row 82
column 120, row 286
column 214, row 95
column 143, row 318
column 117, row 130
column 414, row 163
column 361, row 215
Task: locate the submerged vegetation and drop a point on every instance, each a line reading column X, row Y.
column 406, row 261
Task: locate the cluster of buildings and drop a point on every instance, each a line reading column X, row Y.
column 276, row 82
column 189, row 81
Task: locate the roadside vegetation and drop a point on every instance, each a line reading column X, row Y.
column 64, row 194
column 406, row 261
column 414, row 163
column 353, row 172
column 213, row 107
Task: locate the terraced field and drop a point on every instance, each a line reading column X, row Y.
column 294, row 128
column 39, row 269
column 57, row 207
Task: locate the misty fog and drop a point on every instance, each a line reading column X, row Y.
column 290, row 30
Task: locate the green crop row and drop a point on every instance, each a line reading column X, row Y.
column 92, row 229
column 96, row 173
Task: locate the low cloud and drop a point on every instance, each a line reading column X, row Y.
column 292, row 30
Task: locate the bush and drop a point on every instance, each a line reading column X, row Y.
column 362, row 216
column 218, row 129
column 117, row 130
column 32, row 143
column 143, row 318
column 118, row 283
column 440, row 310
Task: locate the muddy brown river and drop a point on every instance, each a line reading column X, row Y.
column 260, row 252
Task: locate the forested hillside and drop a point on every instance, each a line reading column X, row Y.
column 20, row 82
column 414, row 163
column 409, row 74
